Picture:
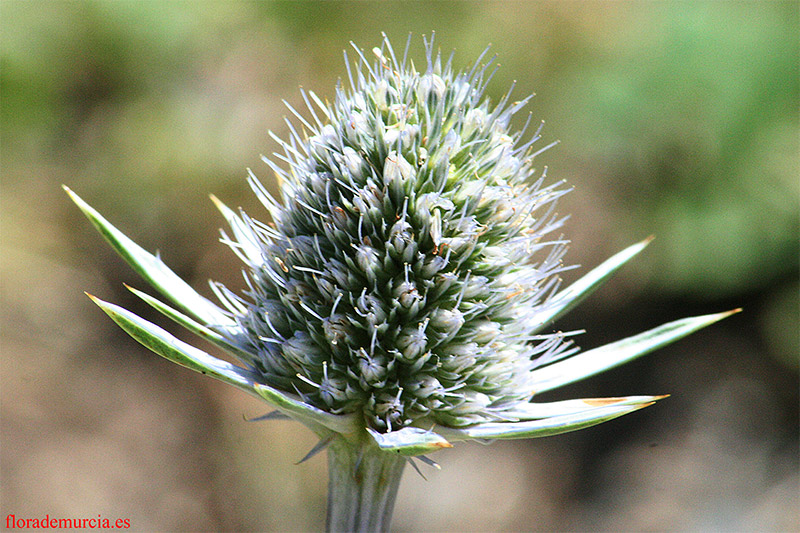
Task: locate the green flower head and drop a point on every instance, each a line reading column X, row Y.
column 411, row 262
column 406, row 287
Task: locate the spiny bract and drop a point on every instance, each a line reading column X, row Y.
column 406, row 272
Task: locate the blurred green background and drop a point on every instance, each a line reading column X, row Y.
column 678, row 119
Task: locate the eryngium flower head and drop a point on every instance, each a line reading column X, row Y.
column 401, row 294
column 411, row 256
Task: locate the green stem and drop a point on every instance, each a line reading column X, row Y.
column 362, row 486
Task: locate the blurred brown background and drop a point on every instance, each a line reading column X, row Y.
column 678, row 119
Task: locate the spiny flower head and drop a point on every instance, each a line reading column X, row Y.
column 402, row 292
column 408, row 263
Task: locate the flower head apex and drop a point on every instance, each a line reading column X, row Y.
column 404, row 289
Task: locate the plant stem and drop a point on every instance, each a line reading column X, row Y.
column 362, row 486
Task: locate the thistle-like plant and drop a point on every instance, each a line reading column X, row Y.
column 402, row 296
